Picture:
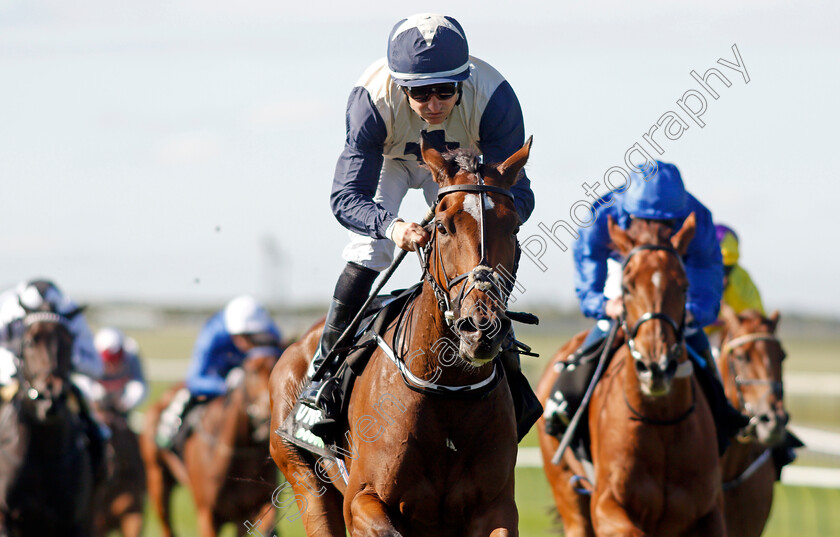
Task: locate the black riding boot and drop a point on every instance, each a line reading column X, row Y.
column 351, row 291
column 526, row 406
column 728, row 420
column 572, row 382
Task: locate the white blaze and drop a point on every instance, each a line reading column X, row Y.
column 473, row 207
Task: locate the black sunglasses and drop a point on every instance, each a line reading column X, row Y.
column 422, row 94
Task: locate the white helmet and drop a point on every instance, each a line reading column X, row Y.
column 108, row 340
column 244, row 315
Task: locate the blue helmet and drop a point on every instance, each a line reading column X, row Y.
column 661, row 196
column 427, row 48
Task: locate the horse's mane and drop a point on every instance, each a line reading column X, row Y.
column 465, row 159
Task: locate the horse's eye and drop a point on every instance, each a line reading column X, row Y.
column 441, row 228
column 742, row 357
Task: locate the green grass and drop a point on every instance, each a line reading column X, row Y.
column 800, row 511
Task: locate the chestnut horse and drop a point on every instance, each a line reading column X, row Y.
column 226, row 462
column 439, row 460
column 119, row 500
column 46, row 470
column 655, row 462
column 750, row 364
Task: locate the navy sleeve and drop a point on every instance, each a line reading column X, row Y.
column 591, row 252
column 502, row 133
column 358, row 168
column 704, row 268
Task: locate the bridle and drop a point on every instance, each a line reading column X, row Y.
column 672, row 369
column 481, row 277
column 776, row 386
column 28, row 320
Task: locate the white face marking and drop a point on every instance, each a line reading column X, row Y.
column 656, row 279
column 473, row 207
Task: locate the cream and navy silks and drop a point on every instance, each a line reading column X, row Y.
column 382, row 129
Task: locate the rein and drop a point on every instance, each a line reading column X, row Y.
column 481, row 277
column 673, row 370
column 26, row 387
column 776, row 387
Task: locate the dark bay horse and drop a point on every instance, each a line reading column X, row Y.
column 428, row 450
column 654, row 452
column 226, row 463
column 46, row 472
column 750, row 363
column 119, row 500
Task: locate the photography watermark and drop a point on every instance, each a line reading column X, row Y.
column 639, row 158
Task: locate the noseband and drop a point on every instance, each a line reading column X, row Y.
column 30, row 319
column 672, row 369
column 776, row 387
column 482, row 277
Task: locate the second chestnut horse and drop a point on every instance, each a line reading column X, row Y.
column 654, row 450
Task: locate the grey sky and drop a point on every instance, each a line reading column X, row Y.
column 184, row 150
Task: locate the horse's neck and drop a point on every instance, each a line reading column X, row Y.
column 738, row 458
column 56, row 435
column 429, row 347
column 234, row 422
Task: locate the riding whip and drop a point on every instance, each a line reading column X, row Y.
column 354, row 324
column 584, row 404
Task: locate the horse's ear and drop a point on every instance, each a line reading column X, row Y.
column 620, row 238
column 774, row 319
column 729, row 317
column 510, row 168
column 685, row 235
column 74, row 312
column 433, row 159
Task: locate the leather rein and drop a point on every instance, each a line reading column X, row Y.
column 672, row 368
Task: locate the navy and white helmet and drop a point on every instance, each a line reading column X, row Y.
column 43, row 295
column 426, row 49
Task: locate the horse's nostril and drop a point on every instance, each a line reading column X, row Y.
column 641, row 367
column 764, row 418
column 466, row 326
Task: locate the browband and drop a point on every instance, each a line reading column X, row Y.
column 473, row 188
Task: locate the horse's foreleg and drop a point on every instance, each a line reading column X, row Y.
column 205, row 523
column 710, row 525
column 369, row 517
column 609, row 519
column 131, row 524
column 160, row 488
column 500, row 518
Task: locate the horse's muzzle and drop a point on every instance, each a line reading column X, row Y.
column 481, row 336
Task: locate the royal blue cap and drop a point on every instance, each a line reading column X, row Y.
column 661, row 196
column 427, row 48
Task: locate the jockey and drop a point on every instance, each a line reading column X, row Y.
column 662, row 197
column 428, row 81
column 739, row 291
column 123, row 382
column 221, row 347
column 44, row 296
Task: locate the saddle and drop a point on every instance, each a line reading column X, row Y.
column 383, row 311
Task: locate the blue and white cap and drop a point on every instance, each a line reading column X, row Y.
column 427, row 48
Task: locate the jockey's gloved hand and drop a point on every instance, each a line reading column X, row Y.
column 234, row 378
